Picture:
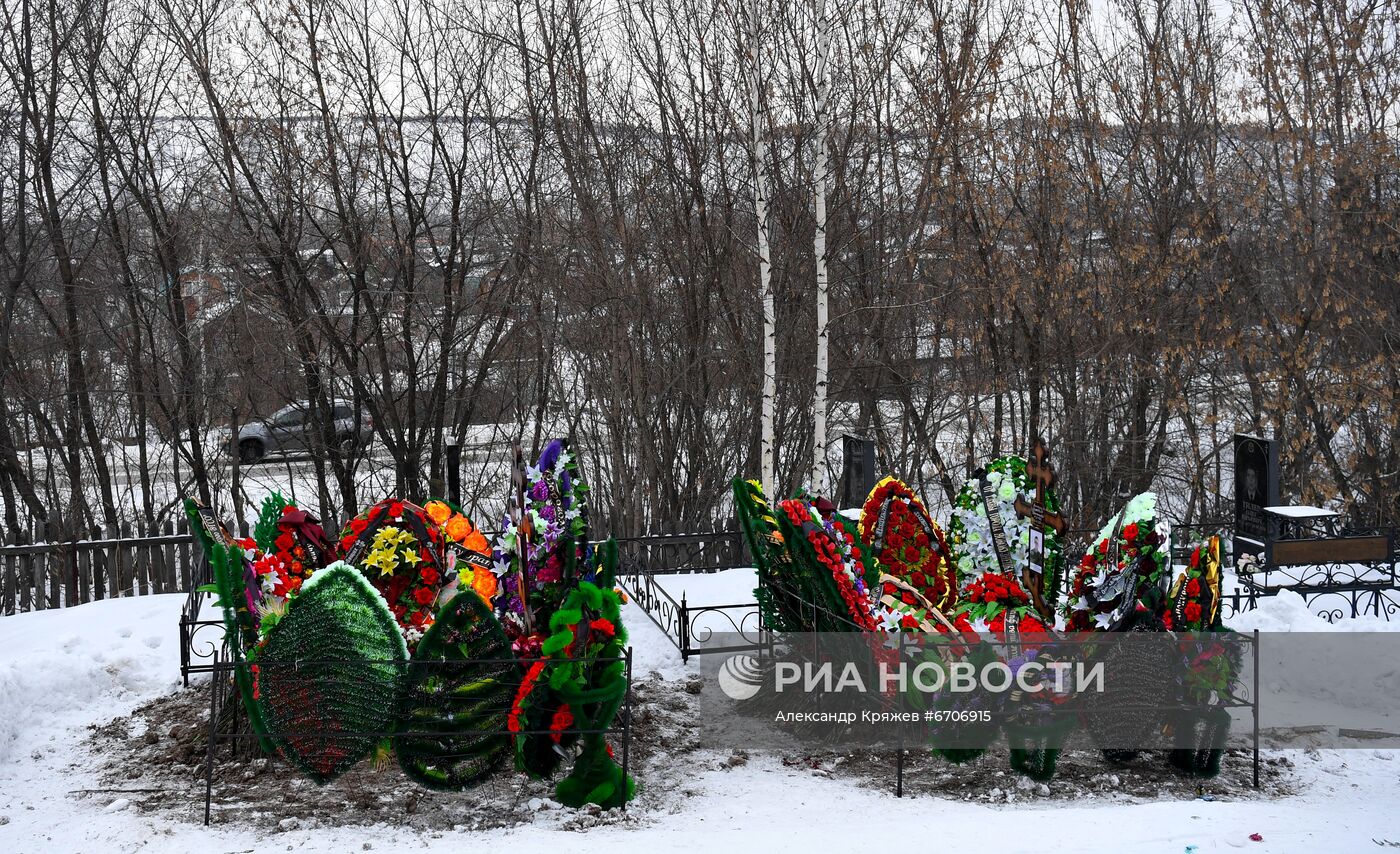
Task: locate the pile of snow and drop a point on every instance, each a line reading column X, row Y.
column 99, row 660
column 1288, row 612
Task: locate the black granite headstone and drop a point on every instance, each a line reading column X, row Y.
column 1256, row 487
column 858, row 472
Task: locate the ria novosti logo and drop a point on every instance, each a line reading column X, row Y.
column 740, row 677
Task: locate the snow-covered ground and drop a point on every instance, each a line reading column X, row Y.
column 64, row 672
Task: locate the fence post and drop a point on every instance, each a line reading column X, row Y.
column 111, row 559
column 71, row 596
column 117, row 565
column 98, row 563
column 627, row 727
column 183, row 554
column 167, row 554
column 683, row 629
column 1255, row 698
column 138, row 570
column 82, row 557
column 33, row 583
column 454, row 472
column 9, row 584
column 899, row 756
column 213, row 733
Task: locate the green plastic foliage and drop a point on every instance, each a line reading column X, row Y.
column 576, row 693
column 328, row 680
column 265, row 532
column 594, row 691
column 778, row 602
column 452, row 712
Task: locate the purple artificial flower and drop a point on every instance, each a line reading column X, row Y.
column 550, row 455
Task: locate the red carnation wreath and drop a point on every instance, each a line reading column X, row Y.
column 909, row 545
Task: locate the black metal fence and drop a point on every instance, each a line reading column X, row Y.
column 1239, row 695
column 644, row 565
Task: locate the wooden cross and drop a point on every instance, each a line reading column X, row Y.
column 521, row 515
column 1033, row 576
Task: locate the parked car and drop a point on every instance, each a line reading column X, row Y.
column 290, row 429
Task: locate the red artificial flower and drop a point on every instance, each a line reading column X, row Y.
column 429, row 575
column 1192, row 612
column 911, row 554
column 346, row 542
column 908, row 622
column 604, row 626
column 397, row 585
column 286, row 541
column 562, row 720
column 1196, row 557
column 290, row 508
column 358, row 525
column 1130, row 531
column 396, row 509
column 424, row 595
column 1193, row 587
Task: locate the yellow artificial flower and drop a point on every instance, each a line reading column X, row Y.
column 383, row 559
column 411, row 557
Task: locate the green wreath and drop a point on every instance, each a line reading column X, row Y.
column 573, row 693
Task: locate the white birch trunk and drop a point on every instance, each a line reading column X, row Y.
column 767, row 441
column 822, row 116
